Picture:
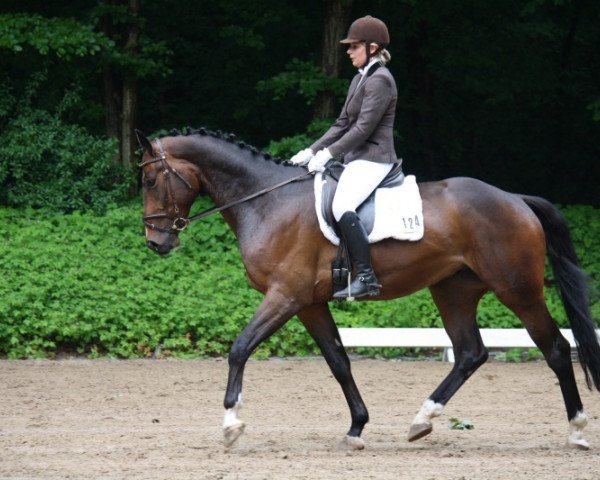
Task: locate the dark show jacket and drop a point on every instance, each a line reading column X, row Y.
column 364, row 129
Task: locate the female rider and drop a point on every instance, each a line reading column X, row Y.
column 362, row 138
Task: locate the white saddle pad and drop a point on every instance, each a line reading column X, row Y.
column 398, row 212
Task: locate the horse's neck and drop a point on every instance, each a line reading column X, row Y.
column 224, row 169
column 228, row 173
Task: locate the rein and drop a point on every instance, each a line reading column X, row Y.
column 210, row 211
column 180, row 223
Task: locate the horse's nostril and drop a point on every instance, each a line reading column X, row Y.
column 161, row 249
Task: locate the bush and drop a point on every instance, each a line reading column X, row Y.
column 87, row 284
column 46, row 162
column 288, row 146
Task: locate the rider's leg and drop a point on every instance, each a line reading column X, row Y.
column 357, row 182
column 364, row 283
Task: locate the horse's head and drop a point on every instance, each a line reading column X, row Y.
column 170, row 187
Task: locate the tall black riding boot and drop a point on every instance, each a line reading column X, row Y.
column 355, row 236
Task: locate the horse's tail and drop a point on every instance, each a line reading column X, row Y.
column 572, row 284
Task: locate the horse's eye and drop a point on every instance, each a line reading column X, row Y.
column 151, row 182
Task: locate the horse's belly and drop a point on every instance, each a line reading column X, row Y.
column 407, row 270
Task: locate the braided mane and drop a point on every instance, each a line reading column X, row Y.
column 228, row 137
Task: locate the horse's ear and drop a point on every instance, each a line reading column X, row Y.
column 144, row 142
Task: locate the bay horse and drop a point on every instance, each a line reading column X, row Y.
column 477, row 239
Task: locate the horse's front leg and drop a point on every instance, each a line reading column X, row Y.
column 273, row 312
column 320, row 324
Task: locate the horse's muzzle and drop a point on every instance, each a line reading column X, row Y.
column 162, row 248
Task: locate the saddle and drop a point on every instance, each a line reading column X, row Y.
column 366, row 211
column 393, row 210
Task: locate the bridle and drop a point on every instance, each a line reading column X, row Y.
column 179, row 222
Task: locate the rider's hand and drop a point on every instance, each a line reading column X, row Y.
column 317, row 164
column 302, row 157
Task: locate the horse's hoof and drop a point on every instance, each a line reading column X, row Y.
column 419, row 430
column 232, row 433
column 352, row 443
column 579, row 444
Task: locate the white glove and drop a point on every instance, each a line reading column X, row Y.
column 302, row 157
column 317, row 164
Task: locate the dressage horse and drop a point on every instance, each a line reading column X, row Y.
column 477, row 239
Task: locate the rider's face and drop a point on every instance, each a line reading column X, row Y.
column 358, row 53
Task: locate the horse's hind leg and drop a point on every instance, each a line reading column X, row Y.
column 321, row 326
column 532, row 310
column 456, row 298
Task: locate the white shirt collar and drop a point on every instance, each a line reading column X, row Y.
column 373, row 61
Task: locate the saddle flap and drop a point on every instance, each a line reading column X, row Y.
column 390, row 212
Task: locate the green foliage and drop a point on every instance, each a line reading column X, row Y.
column 502, row 91
column 68, row 38
column 87, row 284
column 150, row 56
column 595, row 108
column 288, row 146
column 519, row 355
column 47, row 162
column 304, row 78
column 65, row 37
column 585, row 232
column 532, row 6
column 150, row 59
column 455, row 423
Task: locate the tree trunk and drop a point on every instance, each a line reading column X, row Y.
column 111, row 83
column 128, row 118
column 337, row 13
column 112, row 102
column 129, row 96
column 120, row 85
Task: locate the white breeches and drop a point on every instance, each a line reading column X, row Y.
column 357, row 182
